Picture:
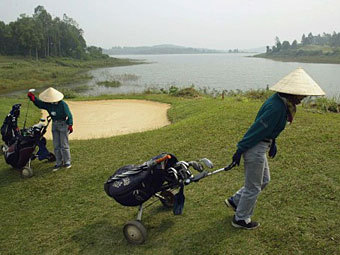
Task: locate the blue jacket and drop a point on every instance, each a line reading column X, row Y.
column 269, row 122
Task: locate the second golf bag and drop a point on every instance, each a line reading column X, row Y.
column 20, row 144
column 9, row 129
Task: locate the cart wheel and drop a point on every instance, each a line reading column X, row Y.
column 169, row 199
column 3, row 149
column 134, row 232
column 27, row 172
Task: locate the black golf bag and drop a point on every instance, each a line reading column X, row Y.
column 132, row 185
column 9, row 129
column 20, row 144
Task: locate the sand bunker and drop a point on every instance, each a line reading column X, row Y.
column 105, row 118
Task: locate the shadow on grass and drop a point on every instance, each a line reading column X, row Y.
column 214, row 238
column 100, row 236
column 104, row 238
column 42, row 168
column 9, row 175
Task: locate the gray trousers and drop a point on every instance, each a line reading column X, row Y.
column 257, row 176
column 60, row 142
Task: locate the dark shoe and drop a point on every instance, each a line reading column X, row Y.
column 242, row 224
column 230, row 203
column 68, row 166
column 56, row 168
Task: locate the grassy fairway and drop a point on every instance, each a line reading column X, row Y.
column 68, row 212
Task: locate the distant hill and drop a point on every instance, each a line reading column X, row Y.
column 158, row 49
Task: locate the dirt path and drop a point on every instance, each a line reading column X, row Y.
column 105, row 118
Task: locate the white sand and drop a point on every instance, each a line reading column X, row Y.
column 106, row 118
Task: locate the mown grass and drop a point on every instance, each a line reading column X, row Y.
column 68, row 212
column 17, row 73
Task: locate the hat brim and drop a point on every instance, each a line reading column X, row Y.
column 51, row 95
column 298, row 82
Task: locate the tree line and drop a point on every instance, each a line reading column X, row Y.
column 41, row 36
column 331, row 40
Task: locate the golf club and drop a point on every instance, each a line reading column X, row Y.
column 28, row 104
column 207, row 162
column 204, row 174
column 197, row 166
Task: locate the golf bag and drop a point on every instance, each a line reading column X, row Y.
column 9, row 129
column 19, row 153
column 20, row 144
column 132, row 185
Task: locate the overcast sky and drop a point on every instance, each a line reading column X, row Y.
column 215, row 24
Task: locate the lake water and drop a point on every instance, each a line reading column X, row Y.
column 210, row 71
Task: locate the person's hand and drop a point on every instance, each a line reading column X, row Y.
column 273, row 149
column 31, row 96
column 70, row 129
column 237, row 157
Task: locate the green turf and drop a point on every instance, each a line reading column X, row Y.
column 68, row 212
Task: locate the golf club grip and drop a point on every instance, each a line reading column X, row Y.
column 199, row 176
column 163, row 158
column 229, row 167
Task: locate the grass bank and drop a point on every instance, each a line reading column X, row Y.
column 67, row 212
column 17, row 73
column 302, row 59
column 305, row 54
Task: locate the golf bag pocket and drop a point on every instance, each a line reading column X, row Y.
column 130, row 185
column 12, row 155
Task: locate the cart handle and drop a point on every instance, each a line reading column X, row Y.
column 204, row 174
column 44, row 129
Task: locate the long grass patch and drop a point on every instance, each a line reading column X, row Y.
column 18, row 73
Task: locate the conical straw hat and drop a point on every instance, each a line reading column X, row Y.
column 51, row 95
column 298, row 82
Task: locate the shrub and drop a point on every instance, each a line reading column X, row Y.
column 260, row 94
column 257, row 94
column 173, row 90
column 323, row 104
column 112, row 83
column 187, row 92
column 68, row 93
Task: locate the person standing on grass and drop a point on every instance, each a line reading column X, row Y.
column 62, row 122
column 260, row 139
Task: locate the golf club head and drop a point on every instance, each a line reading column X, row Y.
column 197, row 166
column 31, row 90
column 207, row 162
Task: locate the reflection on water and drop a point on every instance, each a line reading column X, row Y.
column 127, row 83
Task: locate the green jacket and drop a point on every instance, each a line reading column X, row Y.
column 269, row 122
column 57, row 111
